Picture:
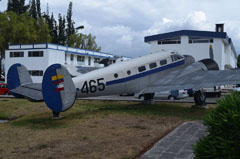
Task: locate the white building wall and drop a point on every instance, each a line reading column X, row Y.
column 31, row 63
column 198, row 50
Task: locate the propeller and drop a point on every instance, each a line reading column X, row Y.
column 211, row 52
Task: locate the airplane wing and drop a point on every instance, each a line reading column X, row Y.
column 196, row 80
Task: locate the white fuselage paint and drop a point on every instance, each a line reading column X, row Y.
column 128, row 80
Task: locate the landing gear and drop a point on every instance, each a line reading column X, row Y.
column 200, row 98
column 148, row 98
column 56, row 115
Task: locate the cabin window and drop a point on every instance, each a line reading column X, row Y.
column 129, row 72
column 116, row 75
column 163, row 62
column 141, row 69
column 36, row 72
column 152, row 65
column 35, row 53
column 16, row 54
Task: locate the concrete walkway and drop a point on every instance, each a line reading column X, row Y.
column 178, row 143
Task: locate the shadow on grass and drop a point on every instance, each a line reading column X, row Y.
column 159, row 109
column 80, row 111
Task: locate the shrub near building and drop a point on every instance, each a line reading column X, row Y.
column 223, row 124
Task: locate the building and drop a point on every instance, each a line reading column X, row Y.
column 197, row 44
column 38, row 57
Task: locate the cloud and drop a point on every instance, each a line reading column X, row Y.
column 120, row 26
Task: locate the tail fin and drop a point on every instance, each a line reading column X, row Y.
column 58, row 89
column 17, row 75
column 21, row 85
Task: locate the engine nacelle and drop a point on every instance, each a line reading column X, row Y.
column 210, row 64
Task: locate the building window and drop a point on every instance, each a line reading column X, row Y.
column 36, row 72
column 193, row 39
column 16, row 54
column 35, row 53
column 71, row 57
column 141, row 69
column 163, row 62
column 80, row 58
column 152, row 65
column 176, row 40
column 96, row 60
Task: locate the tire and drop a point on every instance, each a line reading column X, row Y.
column 171, row 98
column 200, row 98
column 141, row 97
column 6, row 93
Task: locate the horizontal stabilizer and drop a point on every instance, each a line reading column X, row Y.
column 31, row 91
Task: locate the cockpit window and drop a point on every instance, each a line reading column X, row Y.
column 176, row 57
column 163, row 62
column 141, row 69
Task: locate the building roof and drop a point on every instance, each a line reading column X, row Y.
column 207, row 34
column 66, row 49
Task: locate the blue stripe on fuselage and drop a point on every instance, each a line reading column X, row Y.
column 159, row 69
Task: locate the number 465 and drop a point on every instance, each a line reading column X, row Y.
column 93, row 85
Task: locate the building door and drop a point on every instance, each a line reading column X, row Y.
column 89, row 61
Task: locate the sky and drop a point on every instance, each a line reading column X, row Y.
column 121, row 25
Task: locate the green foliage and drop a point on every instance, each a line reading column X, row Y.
column 17, row 6
column 223, row 141
column 83, row 41
column 21, row 29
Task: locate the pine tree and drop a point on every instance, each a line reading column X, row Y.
column 38, row 6
column 33, row 9
column 17, row 6
column 61, row 30
column 70, row 22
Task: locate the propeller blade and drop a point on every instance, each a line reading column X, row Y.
column 211, row 52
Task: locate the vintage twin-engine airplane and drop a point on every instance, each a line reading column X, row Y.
column 153, row 72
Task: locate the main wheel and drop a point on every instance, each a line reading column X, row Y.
column 171, row 98
column 148, row 96
column 200, row 98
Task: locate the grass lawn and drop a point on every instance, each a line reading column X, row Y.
column 91, row 129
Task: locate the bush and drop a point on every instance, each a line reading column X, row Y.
column 223, row 125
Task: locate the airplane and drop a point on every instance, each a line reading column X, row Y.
column 160, row 71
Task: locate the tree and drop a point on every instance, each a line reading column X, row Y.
column 17, row 6
column 83, row 41
column 238, row 61
column 38, row 6
column 70, row 23
column 61, row 30
column 21, row 30
column 33, row 9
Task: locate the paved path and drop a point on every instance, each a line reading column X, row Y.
column 178, row 143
